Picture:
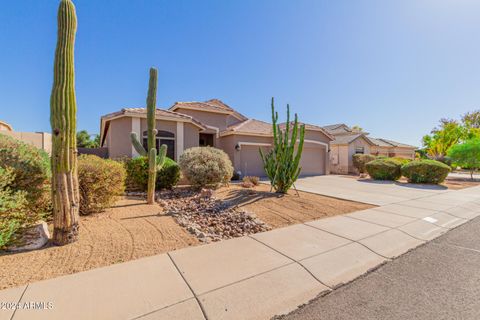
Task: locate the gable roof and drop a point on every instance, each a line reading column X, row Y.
column 346, row 139
column 212, row 105
column 161, row 114
column 380, row 142
column 249, row 127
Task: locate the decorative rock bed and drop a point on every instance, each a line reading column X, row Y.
column 207, row 217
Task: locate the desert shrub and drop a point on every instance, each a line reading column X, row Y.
column 100, row 181
column 137, row 174
column 401, row 160
column 425, row 171
column 360, row 160
column 251, row 179
column 13, row 209
column 31, row 169
column 384, row 169
column 204, row 166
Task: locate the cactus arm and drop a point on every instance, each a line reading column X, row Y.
column 162, row 154
column 137, row 145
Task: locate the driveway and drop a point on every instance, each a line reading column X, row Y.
column 367, row 191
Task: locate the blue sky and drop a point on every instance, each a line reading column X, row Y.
column 393, row 67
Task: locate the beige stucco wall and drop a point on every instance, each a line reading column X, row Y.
column 317, row 136
column 190, row 136
column 339, row 159
column 41, row 140
column 119, row 144
column 358, row 143
column 407, row 153
column 381, row 151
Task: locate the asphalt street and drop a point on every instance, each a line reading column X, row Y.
column 439, row 280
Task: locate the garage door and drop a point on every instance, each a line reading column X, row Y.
column 251, row 163
column 313, row 160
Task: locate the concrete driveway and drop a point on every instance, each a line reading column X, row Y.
column 367, row 191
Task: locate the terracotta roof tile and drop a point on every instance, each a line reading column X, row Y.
column 214, row 105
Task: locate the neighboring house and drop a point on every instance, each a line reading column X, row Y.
column 210, row 123
column 41, row 140
column 349, row 142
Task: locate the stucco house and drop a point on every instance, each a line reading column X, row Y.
column 210, row 123
column 349, row 142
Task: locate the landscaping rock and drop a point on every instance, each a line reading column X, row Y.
column 207, row 217
column 34, row 238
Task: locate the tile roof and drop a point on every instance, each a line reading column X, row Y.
column 250, row 126
column 389, row 143
column 214, row 105
column 159, row 112
column 311, row 127
column 346, row 139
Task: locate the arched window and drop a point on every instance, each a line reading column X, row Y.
column 163, row 137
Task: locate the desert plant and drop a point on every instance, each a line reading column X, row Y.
column 154, row 163
column 281, row 164
column 100, row 181
column 384, row 169
column 425, row 171
column 137, row 174
column 360, row 160
column 401, row 160
column 252, row 180
column 31, row 168
column 63, row 119
column 467, row 155
column 13, row 209
column 204, row 166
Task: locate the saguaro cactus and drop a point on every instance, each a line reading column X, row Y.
column 63, row 110
column 281, row 164
column 154, row 163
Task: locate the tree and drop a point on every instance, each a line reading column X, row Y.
column 467, row 155
column 63, row 119
column 472, row 119
column 281, row 164
column 357, row 128
column 442, row 138
column 84, row 140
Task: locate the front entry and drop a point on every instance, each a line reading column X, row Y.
column 205, row 140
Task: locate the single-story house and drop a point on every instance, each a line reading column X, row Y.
column 349, row 142
column 210, row 123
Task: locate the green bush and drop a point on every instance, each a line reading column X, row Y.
column 360, row 160
column 384, row 169
column 425, row 171
column 204, row 166
column 13, row 209
column 100, row 181
column 137, row 174
column 31, row 168
column 401, row 160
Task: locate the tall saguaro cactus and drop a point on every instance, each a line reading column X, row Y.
column 154, row 163
column 281, row 164
column 63, row 113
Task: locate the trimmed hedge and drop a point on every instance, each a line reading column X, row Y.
column 360, row 160
column 401, row 160
column 425, row 171
column 137, row 174
column 32, row 174
column 100, row 182
column 204, row 166
column 384, row 169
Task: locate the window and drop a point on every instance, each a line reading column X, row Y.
column 163, row 137
column 359, row 150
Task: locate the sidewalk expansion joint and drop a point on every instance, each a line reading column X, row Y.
column 352, row 240
column 19, row 299
column 189, row 287
column 293, row 260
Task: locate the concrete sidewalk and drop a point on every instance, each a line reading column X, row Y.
column 253, row 277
